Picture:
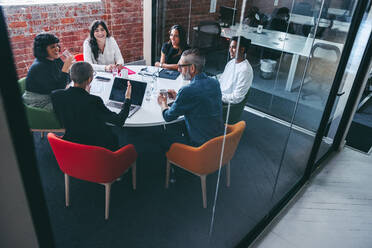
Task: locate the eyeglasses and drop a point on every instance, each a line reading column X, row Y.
column 180, row 65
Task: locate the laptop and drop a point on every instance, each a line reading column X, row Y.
column 117, row 95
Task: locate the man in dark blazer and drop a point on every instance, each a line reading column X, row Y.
column 85, row 116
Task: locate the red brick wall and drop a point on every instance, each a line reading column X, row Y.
column 70, row 23
column 177, row 12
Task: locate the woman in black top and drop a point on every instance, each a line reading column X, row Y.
column 47, row 73
column 171, row 51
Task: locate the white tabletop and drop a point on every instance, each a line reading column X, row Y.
column 150, row 112
column 297, row 45
column 281, row 41
column 310, row 20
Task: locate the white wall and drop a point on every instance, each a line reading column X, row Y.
column 147, row 30
column 16, row 228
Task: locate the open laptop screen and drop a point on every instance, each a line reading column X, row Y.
column 120, row 86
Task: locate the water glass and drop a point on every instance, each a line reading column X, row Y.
column 163, row 93
column 115, row 71
column 124, row 73
column 149, row 90
column 154, row 85
column 66, row 54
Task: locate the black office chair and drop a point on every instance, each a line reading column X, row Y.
column 206, row 36
column 255, row 18
column 207, row 39
column 322, row 70
column 279, row 22
column 324, row 24
column 303, row 8
column 236, row 111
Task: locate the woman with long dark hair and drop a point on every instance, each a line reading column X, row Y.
column 47, row 73
column 172, row 50
column 101, row 49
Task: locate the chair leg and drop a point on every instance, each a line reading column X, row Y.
column 134, row 171
column 167, row 174
column 107, row 208
column 42, row 134
column 67, row 190
column 228, row 174
column 204, row 190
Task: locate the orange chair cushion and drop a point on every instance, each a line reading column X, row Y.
column 205, row 159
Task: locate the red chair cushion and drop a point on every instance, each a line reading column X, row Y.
column 91, row 163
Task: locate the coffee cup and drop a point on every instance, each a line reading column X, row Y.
column 259, row 29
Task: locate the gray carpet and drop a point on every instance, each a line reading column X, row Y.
column 153, row 216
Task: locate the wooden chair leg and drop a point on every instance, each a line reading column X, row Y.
column 67, row 190
column 134, row 171
column 167, row 174
column 228, row 174
column 107, row 207
column 204, row 190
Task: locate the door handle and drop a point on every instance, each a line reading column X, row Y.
column 340, row 93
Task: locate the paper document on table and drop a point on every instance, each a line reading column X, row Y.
column 130, row 72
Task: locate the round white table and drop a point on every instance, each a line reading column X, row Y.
column 150, row 112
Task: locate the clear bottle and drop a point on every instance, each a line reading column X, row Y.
column 154, row 85
column 149, row 90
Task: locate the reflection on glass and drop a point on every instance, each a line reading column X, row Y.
column 294, row 59
column 315, row 83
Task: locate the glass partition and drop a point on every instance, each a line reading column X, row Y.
column 266, row 164
column 295, row 50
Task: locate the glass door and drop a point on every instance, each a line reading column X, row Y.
column 347, row 82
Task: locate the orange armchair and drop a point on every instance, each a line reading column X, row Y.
column 92, row 163
column 205, row 159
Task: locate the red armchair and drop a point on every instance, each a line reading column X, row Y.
column 92, row 163
column 79, row 57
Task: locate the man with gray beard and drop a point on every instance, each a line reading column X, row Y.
column 200, row 102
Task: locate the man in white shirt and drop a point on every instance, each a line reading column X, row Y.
column 237, row 77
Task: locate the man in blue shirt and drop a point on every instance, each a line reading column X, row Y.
column 200, row 102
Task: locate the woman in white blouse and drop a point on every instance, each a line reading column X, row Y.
column 101, row 49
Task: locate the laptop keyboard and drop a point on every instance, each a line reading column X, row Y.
column 119, row 105
column 115, row 104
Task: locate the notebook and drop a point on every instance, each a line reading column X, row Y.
column 117, row 95
column 169, row 74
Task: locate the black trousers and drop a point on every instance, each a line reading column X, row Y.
column 175, row 133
